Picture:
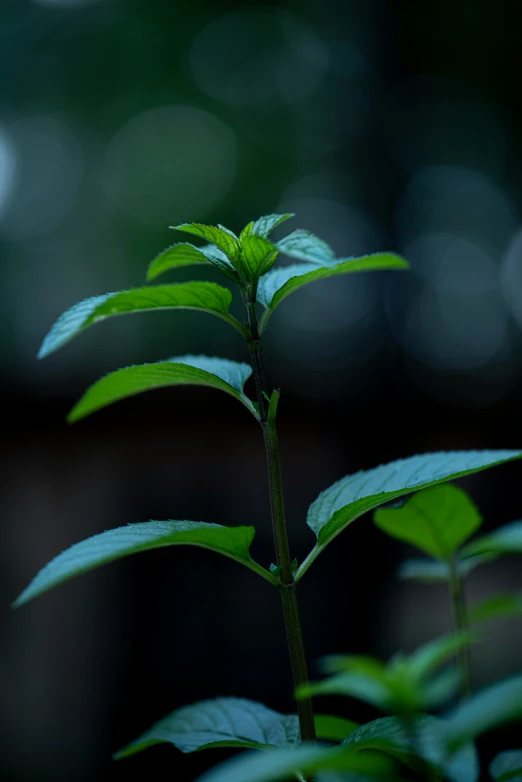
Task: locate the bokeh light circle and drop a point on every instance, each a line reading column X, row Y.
column 169, row 164
column 253, row 57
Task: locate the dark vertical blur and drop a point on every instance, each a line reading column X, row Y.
column 383, row 126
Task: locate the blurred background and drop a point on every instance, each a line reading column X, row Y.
column 383, row 126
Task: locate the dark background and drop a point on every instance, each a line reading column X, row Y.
column 383, row 126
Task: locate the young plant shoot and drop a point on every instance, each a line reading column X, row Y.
column 438, row 519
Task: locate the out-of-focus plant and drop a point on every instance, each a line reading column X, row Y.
column 406, row 742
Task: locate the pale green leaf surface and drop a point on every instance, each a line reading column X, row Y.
column 435, row 571
column 505, row 540
column 264, row 225
column 498, row 607
column 356, row 494
column 500, row 702
column 222, row 722
column 389, row 734
column 204, row 296
column 233, row 542
column 225, row 375
column 277, row 284
column 305, row 246
column 437, row 520
column 282, row 764
column 507, row 766
column 226, row 241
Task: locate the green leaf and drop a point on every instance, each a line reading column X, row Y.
column 390, row 735
column 501, row 702
column 233, row 542
column 257, row 255
column 362, row 685
column 247, row 231
column 425, row 660
column 437, row 520
column 305, row 246
column 223, row 722
column 507, row 766
column 356, row 494
column 403, row 685
column 505, row 540
column 434, row 571
column 279, row 283
column 281, row 764
column 232, row 722
column 229, row 376
column 331, row 728
column 264, row 225
column 224, row 239
column 204, row 296
column 498, row 607
column 179, row 254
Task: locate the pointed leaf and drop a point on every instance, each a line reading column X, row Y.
column 499, row 703
column 223, row 722
column 437, row 520
column 228, row 376
column 390, row 735
column 305, row 246
column 179, row 254
column 353, row 495
column 425, row 660
column 364, row 686
column 505, row 540
column 223, row 239
column 220, row 373
column 434, row 571
column 204, row 296
column 282, row 764
column 257, row 255
column 498, row 607
column 279, row 283
column 264, row 225
column 507, row 766
column 227, row 230
column 233, row 542
column 247, row 231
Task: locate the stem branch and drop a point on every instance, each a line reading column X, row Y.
column 277, row 508
column 460, row 623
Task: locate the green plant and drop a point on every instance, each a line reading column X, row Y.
column 406, row 685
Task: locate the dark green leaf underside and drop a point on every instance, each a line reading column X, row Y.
column 114, row 544
column 225, row 375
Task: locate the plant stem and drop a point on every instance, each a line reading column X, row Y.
column 288, row 587
column 460, row 623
